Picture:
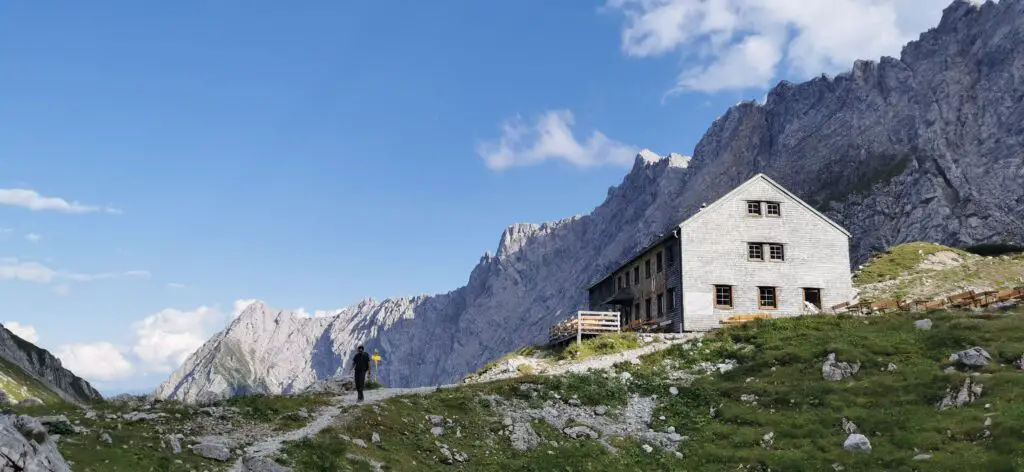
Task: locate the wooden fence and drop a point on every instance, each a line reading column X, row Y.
column 584, row 322
column 958, row 301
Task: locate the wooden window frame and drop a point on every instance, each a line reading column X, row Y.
column 782, row 252
column 768, row 209
column 729, row 293
column 750, row 206
column 661, row 305
column 775, row 298
column 760, row 249
column 636, row 275
column 659, row 264
column 670, row 258
column 821, row 300
column 647, row 268
column 670, row 295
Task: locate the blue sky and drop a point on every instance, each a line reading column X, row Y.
column 160, row 162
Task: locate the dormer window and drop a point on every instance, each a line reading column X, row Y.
column 773, row 209
column 754, row 208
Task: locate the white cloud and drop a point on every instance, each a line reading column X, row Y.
column 62, row 289
column 31, row 271
column 165, row 340
column 241, row 305
column 25, row 332
column 99, row 361
column 176, row 285
column 740, row 44
column 32, row 200
column 6, row 231
column 33, row 237
column 551, row 137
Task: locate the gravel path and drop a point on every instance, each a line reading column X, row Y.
column 324, row 417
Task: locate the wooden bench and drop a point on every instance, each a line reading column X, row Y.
column 737, row 319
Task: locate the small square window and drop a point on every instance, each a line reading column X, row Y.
column 767, row 298
column 772, row 209
column 776, row 252
column 755, row 251
column 753, row 208
column 723, row 296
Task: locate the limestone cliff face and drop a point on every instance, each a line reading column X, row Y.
column 27, row 368
column 927, row 146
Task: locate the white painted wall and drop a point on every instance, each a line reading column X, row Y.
column 714, row 251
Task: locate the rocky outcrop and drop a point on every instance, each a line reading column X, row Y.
column 26, row 446
column 38, row 363
column 923, row 147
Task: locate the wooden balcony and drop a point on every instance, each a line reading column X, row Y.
column 584, row 323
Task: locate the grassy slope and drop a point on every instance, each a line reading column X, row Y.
column 780, row 362
column 18, row 385
column 896, row 273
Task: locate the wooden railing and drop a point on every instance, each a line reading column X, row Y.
column 585, row 322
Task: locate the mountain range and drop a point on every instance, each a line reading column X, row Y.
column 927, row 146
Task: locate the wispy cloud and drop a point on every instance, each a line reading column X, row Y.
column 743, row 44
column 550, row 137
column 62, row 290
column 31, row 271
column 33, row 237
column 34, row 201
column 176, row 286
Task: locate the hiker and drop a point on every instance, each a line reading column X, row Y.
column 361, row 367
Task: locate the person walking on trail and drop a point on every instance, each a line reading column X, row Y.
column 361, row 367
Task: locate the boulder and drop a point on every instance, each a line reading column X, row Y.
column 214, row 451
column 973, row 357
column 924, row 324
column 25, row 446
column 834, row 370
column 857, row 443
column 967, row 393
column 523, row 437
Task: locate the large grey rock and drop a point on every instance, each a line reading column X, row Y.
column 973, row 357
column 25, row 446
column 523, row 437
column 924, row 324
column 214, row 451
column 926, row 146
column 857, row 443
column 957, row 397
column 834, row 370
